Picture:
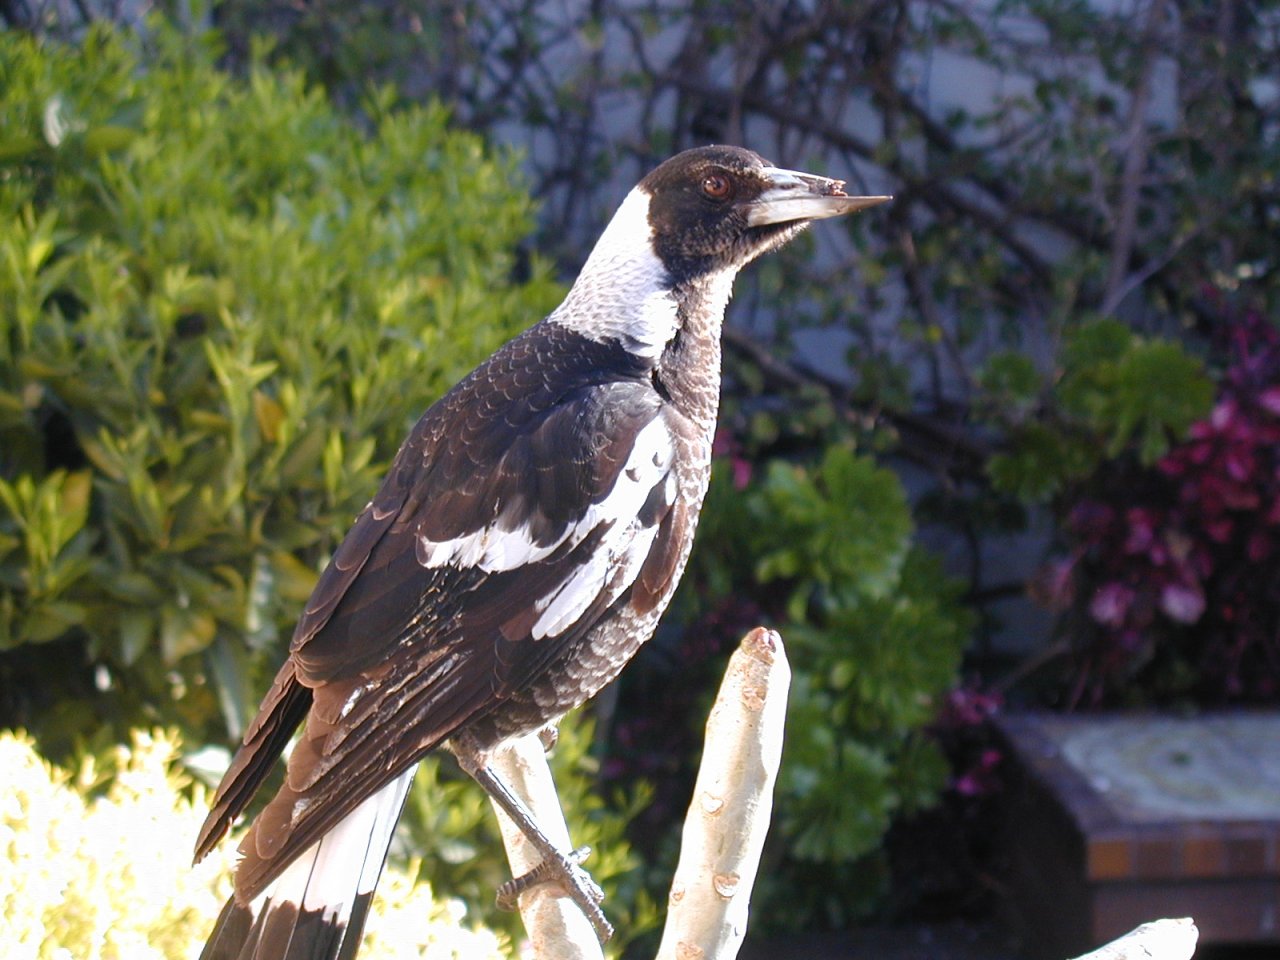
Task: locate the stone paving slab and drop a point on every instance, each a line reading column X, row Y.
column 1222, row 767
column 1114, row 820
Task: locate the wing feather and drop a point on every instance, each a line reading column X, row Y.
column 513, row 518
column 282, row 709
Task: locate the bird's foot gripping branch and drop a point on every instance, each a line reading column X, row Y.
column 567, row 870
column 555, row 868
column 724, row 830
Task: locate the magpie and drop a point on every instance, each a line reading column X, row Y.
column 525, row 541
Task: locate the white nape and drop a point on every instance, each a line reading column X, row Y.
column 624, row 292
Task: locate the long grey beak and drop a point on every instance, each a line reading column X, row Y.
column 793, row 195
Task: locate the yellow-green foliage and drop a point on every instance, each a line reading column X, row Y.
column 223, row 302
column 94, row 865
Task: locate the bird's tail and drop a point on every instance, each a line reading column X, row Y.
column 316, row 909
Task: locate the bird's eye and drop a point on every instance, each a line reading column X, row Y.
column 716, row 186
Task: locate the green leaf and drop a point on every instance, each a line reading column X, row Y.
column 108, row 138
column 184, row 631
column 1096, row 343
column 20, row 147
column 137, row 628
column 51, row 621
column 1042, row 461
column 1160, row 392
column 229, row 664
column 1013, row 378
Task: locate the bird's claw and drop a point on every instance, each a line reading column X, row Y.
column 578, row 886
column 549, row 737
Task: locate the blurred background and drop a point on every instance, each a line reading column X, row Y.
column 1009, row 442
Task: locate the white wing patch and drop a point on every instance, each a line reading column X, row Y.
column 493, row 548
column 626, row 544
column 497, row 548
column 612, row 569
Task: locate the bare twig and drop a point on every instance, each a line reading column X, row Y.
column 1157, row 940
column 929, row 441
column 15, row 14
column 1135, row 162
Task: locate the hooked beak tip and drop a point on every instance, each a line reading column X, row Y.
column 862, row 203
column 804, row 197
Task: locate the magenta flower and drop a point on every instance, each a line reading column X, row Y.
column 1178, row 566
column 1182, row 602
column 1110, row 604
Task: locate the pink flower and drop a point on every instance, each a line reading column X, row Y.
column 1269, row 400
column 966, row 706
column 1142, row 524
column 1219, row 530
column 1223, row 413
column 981, row 777
column 1182, row 602
column 1239, row 463
column 1110, row 604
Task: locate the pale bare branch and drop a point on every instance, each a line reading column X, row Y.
column 728, row 818
column 1157, row 940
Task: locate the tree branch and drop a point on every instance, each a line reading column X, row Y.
column 557, row 929
column 928, row 441
column 723, row 833
column 728, row 818
column 1135, row 162
column 1157, row 940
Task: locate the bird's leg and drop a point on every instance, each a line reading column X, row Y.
column 556, row 866
column 509, row 893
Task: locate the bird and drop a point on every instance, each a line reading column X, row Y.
column 524, row 542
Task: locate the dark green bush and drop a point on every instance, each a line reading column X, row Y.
column 222, row 303
column 875, row 632
column 1115, row 393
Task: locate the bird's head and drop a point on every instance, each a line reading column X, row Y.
column 683, row 233
column 716, row 208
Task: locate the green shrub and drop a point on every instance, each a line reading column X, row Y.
column 875, row 631
column 87, row 866
column 222, row 304
column 1115, row 394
